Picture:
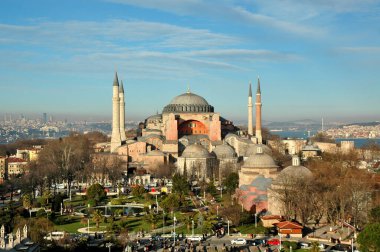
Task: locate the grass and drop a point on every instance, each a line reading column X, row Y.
column 71, row 227
column 251, row 229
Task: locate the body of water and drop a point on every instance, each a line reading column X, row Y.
column 359, row 142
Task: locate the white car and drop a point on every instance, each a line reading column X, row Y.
column 239, row 241
column 195, row 238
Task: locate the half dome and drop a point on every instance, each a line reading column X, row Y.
column 224, row 151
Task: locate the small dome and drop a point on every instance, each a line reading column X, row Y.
column 252, row 150
column 260, row 160
column 154, row 117
column 195, row 151
column 294, row 171
column 224, row 151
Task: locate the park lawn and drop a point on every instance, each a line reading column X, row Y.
column 71, row 227
column 250, row 229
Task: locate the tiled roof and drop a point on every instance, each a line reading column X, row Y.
column 15, row 160
column 288, row 225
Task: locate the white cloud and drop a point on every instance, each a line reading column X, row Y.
column 151, row 48
column 360, row 49
column 223, row 10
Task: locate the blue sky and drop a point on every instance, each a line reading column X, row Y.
column 315, row 58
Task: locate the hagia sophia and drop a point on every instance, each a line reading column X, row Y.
column 200, row 143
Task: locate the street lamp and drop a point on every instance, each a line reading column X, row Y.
column 192, row 224
column 228, row 227
column 174, row 219
column 280, row 241
column 88, row 219
column 255, row 220
column 163, row 220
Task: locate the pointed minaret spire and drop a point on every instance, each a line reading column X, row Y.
column 115, row 138
column 250, row 111
column 116, row 80
column 258, row 85
column 123, row 137
column 121, row 87
column 250, row 90
column 258, row 113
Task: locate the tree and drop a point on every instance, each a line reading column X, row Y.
column 68, row 156
column 171, row 202
column 231, row 182
column 97, row 217
column 375, row 214
column 315, row 247
column 138, row 191
column 26, row 201
column 152, row 219
column 180, row 185
column 369, row 238
column 96, row 192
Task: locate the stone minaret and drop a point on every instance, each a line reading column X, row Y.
column 115, row 138
column 258, row 113
column 250, row 111
column 122, row 113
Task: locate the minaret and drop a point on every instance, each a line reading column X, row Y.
column 250, row 112
column 122, row 113
column 258, row 113
column 115, row 138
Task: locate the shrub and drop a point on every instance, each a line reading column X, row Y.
column 96, row 192
column 117, row 201
column 41, row 213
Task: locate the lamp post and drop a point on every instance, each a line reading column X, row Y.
column 280, row 241
column 88, row 219
column 228, row 227
column 174, row 219
column 255, row 220
column 217, row 210
column 192, row 225
column 163, row 220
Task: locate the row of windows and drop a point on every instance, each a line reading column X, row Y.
column 193, row 131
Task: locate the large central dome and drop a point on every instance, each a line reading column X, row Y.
column 188, row 102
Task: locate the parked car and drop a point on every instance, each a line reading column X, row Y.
column 195, row 238
column 257, row 242
column 304, row 245
column 239, row 241
column 274, row 242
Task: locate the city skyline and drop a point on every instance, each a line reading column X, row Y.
column 315, row 59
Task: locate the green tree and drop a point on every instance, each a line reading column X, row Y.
column 171, row 202
column 96, row 192
column 231, row 182
column 97, row 217
column 152, row 219
column 26, row 201
column 375, row 214
column 315, row 247
column 211, row 189
column 138, row 191
column 369, row 238
column 180, row 184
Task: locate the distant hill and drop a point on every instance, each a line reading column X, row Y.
column 307, row 123
column 364, row 124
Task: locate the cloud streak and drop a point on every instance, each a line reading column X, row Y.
column 158, row 48
column 222, row 10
